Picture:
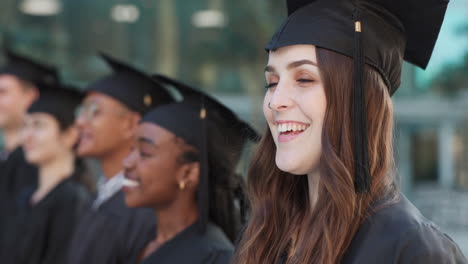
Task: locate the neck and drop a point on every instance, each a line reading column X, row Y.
column 12, row 137
column 54, row 172
column 313, row 180
column 170, row 222
column 112, row 163
column 175, row 219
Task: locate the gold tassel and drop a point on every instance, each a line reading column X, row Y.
column 147, row 100
column 203, row 113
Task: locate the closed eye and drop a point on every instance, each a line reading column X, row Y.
column 145, row 155
column 270, row 85
column 305, row 80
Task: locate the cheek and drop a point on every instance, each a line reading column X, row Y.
column 303, row 155
column 158, row 184
column 103, row 134
column 109, row 130
column 158, row 176
column 267, row 112
column 42, row 145
column 8, row 102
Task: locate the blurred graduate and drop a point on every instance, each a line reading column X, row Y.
column 40, row 227
column 183, row 166
column 107, row 120
column 20, row 79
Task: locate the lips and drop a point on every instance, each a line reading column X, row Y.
column 129, row 181
column 85, row 136
column 85, row 139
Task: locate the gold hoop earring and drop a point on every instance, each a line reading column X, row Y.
column 182, row 185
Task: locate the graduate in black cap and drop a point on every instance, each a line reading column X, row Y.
column 20, row 81
column 109, row 116
column 183, row 167
column 45, row 216
column 322, row 185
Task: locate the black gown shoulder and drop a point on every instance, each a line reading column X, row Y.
column 41, row 233
column 112, row 233
column 400, row 234
column 191, row 246
column 15, row 175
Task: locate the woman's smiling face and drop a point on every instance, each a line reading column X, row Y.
column 294, row 107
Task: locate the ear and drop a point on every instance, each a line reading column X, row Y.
column 70, row 137
column 189, row 175
column 130, row 123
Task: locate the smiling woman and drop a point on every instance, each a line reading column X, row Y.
column 183, row 167
column 317, row 97
column 322, row 185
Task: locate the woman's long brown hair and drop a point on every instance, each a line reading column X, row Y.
column 282, row 219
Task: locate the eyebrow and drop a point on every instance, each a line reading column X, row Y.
column 90, row 102
column 291, row 65
column 146, row 140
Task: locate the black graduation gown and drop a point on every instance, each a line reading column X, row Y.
column 193, row 247
column 41, row 233
column 112, row 234
column 15, row 175
column 400, row 234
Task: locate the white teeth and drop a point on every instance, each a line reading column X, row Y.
column 130, row 183
column 283, row 127
column 291, row 127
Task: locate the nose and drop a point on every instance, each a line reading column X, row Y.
column 281, row 98
column 130, row 160
column 80, row 120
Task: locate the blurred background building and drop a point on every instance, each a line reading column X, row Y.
column 218, row 45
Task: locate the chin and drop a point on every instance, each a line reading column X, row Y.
column 85, row 151
column 133, row 199
column 290, row 166
column 33, row 159
column 131, row 202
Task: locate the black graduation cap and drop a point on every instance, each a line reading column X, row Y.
column 194, row 119
column 380, row 33
column 60, row 102
column 29, row 70
column 130, row 86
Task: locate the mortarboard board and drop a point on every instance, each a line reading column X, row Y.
column 131, row 87
column 29, row 70
column 380, row 33
column 60, row 102
column 196, row 119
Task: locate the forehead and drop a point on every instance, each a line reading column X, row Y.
column 101, row 100
column 288, row 54
column 154, row 132
column 7, row 80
